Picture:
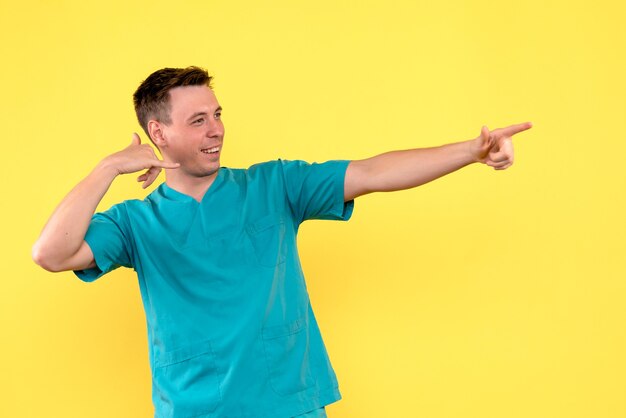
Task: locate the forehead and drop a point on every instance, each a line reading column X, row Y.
column 186, row 100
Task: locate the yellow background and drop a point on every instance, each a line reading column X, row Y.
column 482, row 294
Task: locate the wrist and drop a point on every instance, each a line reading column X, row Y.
column 471, row 151
column 107, row 167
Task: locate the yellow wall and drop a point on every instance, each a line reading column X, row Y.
column 483, row 294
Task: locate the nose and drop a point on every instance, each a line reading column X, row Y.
column 215, row 129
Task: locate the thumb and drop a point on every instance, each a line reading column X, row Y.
column 136, row 139
column 484, row 134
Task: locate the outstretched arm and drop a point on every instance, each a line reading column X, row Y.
column 399, row 170
column 61, row 245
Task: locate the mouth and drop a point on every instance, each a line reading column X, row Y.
column 209, row 151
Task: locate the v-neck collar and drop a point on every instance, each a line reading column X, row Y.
column 173, row 194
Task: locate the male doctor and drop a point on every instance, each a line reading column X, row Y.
column 230, row 328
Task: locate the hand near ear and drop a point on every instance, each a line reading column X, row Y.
column 136, row 157
column 495, row 148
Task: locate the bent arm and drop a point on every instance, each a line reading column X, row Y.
column 61, row 245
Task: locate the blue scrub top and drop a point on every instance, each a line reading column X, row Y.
column 230, row 326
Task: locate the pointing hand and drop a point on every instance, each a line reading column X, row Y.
column 495, row 148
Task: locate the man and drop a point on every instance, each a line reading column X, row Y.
column 231, row 330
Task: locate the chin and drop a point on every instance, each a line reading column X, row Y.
column 201, row 171
column 210, row 171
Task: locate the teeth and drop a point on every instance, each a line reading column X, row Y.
column 210, row 150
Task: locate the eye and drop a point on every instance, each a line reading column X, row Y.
column 198, row 120
column 218, row 115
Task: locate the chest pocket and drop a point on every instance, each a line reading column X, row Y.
column 269, row 239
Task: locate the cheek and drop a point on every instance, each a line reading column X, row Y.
column 176, row 138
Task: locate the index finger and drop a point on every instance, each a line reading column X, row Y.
column 165, row 164
column 515, row 129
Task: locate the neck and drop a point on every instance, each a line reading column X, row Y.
column 195, row 187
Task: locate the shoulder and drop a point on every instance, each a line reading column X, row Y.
column 130, row 208
column 120, row 213
column 298, row 169
column 268, row 169
column 267, row 165
column 279, row 165
column 134, row 205
column 305, row 168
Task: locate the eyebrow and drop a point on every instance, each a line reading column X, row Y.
column 202, row 113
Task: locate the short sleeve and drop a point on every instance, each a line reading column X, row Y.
column 316, row 191
column 108, row 238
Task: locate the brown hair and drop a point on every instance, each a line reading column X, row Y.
column 152, row 98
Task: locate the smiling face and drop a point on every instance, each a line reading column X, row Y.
column 195, row 135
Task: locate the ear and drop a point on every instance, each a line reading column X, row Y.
column 156, row 133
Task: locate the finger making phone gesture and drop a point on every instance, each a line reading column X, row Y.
column 137, row 157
